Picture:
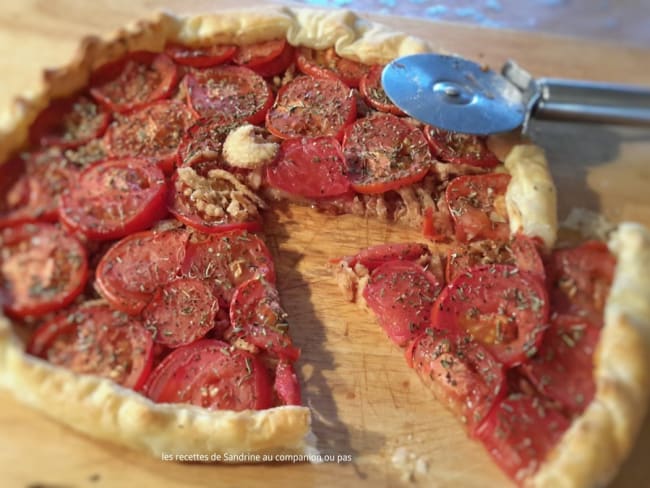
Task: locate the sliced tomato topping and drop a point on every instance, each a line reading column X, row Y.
column 527, row 252
column 257, row 317
column 519, row 432
column 153, row 133
column 41, row 269
column 286, row 384
column 453, row 147
column 211, row 374
column 69, row 123
column 229, row 93
column 437, row 224
column 134, row 268
column 477, row 204
column 181, row 312
column 329, row 65
column 310, row 167
column 401, row 295
column 499, row 306
column 384, row 153
column 580, row 279
column 461, row 373
column 309, row 107
column 134, row 81
column 114, row 198
column 203, row 142
column 268, row 58
column 374, row 256
column 563, row 368
column 95, row 339
column 227, row 260
column 373, row 92
column 201, row 57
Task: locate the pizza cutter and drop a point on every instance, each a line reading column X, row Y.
column 462, row 96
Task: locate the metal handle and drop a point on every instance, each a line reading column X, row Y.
column 580, row 101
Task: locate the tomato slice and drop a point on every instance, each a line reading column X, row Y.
column 114, row 198
column 69, row 123
column 477, row 204
column 204, row 205
column 181, row 312
column 580, row 279
column 461, row 373
column 499, row 306
column 384, row 153
column 374, row 256
column 95, row 339
column 329, row 65
column 401, row 295
column 213, row 375
column 227, row 260
column 229, row 93
column 268, row 58
column 41, row 269
column 373, row 92
column 457, row 148
column 310, row 167
column 201, row 57
column 134, row 81
column 286, row 384
column 563, row 368
column 309, row 107
column 257, row 316
column 133, row 269
column 203, row 142
column 518, row 434
column 153, row 133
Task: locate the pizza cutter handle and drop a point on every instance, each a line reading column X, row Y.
column 579, row 101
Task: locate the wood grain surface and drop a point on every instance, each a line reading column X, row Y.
column 366, row 402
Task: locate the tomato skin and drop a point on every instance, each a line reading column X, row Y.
column 374, row 256
column 201, row 57
column 309, row 107
column 286, row 384
column 41, row 269
column 457, row 148
column 94, row 339
column 401, row 295
column 329, row 65
column 134, row 81
column 114, row 198
column 499, row 306
column 310, row 167
column 373, row 92
column 384, row 153
column 477, row 206
column 460, row 372
column 267, row 58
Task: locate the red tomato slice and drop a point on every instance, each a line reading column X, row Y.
column 329, row 65
column 580, row 279
column 257, row 317
column 41, row 269
column 134, row 81
column 373, row 92
column 519, row 432
column 527, row 253
column 401, row 295
column 310, row 167
column 114, row 198
column 203, row 142
column 268, row 58
column 208, row 214
column 499, row 306
column 563, row 369
column 134, row 268
column 457, row 148
column 276, row 66
column 477, row 205
column 286, row 384
column 374, row 256
column 95, row 339
column 201, row 57
column 460, row 372
column 181, row 312
column 309, row 107
column 212, row 374
column 232, row 94
column 69, row 123
column 228, row 260
column 153, row 133
column 436, row 223
column 384, row 153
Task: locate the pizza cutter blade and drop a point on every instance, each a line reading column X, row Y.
column 462, row 96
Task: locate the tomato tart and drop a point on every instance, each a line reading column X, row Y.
column 139, row 295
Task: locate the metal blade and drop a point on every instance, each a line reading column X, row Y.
column 454, row 94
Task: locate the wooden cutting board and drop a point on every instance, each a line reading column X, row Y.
column 366, row 402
